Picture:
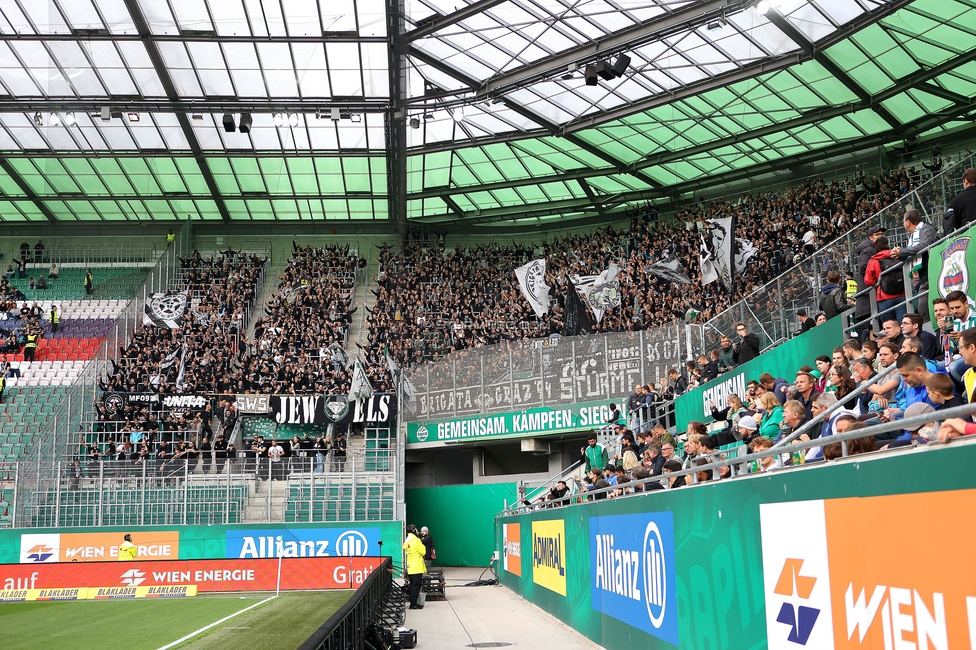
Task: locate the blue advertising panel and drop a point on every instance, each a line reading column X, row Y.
column 633, row 573
column 303, row 542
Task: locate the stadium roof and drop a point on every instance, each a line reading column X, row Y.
column 506, row 127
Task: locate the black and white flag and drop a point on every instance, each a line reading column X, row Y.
column 166, row 309
column 602, row 292
column 575, row 320
column 744, row 252
column 708, row 272
column 670, row 270
column 361, row 388
column 180, row 377
column 532, row 281
column 339, row 353
column 170, row 358
column 722, row 242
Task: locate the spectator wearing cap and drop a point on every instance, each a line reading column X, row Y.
column 916, row 434
column 806, row 323
column 747, row 428
column 862, row 308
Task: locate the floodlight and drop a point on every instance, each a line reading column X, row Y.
column 197, row 116
column 134, row 117
column 414, row 123
column 69, row 118
column 245, row 125
column 278, row 119
column 106, row 113
column 356, row 117
column 229, row 123
column 762, row 7
column 334, row 112
column 38, row 119
column 458, row 114
column 53, row 119
column 293, row 119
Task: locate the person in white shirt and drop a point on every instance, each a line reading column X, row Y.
column 275, row 453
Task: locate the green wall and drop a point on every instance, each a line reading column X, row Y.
column 717, row 547
column 461, row 519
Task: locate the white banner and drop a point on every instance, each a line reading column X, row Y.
column 166, row 309
column 532, row 281
column 708, row 272
column 744, row 252
column 602, row 292
column 722, row 240
column 670, row 270
column 361, row 388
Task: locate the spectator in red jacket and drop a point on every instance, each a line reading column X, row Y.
column 890, row 286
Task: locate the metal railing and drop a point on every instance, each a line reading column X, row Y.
column 59, row 431
column 143, row 254
column 370, row 605
column 770, row 310
column 555, row 371
column 739, row 466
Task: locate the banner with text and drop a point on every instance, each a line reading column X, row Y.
column 377, row 410
column 523, row 424
column 743, row 564
column 782, row 361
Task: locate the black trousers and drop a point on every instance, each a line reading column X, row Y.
column 416, row 580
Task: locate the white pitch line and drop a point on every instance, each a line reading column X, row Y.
column 214, row 624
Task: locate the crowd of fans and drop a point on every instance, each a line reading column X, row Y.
column 432, row 301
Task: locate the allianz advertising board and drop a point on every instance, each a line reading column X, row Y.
column 303, row 542
column 632, row 571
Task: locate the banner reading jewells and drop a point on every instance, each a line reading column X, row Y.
column 782, row 361
column 949, row 266
column 860, row 573
column 332, row 409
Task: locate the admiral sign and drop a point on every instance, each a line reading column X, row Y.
column 829, row 584
column 329, row 409
column 633, row 571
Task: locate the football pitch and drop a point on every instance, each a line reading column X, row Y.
column 281, row 623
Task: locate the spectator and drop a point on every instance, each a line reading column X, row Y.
column 866, row 250
column 747, row 347
column 594, row 454
column 775, row 385
column 963, row 318
column 671, row 466
column 806, row 323
column 768, row 463
column 941, row 392
column 726, row 355
column 771, row 417
column 840, row 382
column 889, row 281
column 833, row 300
column 963, row 206
column 54, row 272
column 911, row 325
column 805, row 392
column 923, row 235
column 89, row 282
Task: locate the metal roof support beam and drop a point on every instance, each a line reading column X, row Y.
column 655, row 29
column 798, row 37
column 437, row 23
column 213, row 106
column 396, row 119
column 191, row 36
column 895, row 135
column 26, row 189
column 135, row 11
column 763, row 66
column 591, row 195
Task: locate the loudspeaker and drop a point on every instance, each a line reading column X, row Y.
column 590, row 75
column 245, row 126
column 621, row 65
column 604, row 70
column 229, row 123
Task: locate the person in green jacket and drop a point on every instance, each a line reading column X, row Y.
column 770, row 423
column 594, row 454
column 415, row 551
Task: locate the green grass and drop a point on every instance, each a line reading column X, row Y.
column 150, row 624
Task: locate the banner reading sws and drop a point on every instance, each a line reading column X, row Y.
column 782, row 361
column 532, row 422
column 886, row 572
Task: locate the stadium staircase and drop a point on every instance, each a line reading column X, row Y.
column 364, row 298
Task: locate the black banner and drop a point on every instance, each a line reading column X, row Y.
column 332, row 409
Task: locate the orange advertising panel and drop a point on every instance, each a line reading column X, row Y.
column 512, row 548
column 96, row 547
column 902, row 571
column 207, row 575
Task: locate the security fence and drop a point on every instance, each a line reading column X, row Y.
column 516, row 375
column 770, row 310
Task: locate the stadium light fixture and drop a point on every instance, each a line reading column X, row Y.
column 458, row 114
column 197, row 117
column 134, row 117
column 38, row 119
column 414, row 123
column 763, row 7
column 53, row 119
column 279, row 121
column 293, row 119
column 106, row 113
column 69, row 119
column 356, row 117
column 335, row 113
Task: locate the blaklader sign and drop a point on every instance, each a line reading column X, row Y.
column 531, row 422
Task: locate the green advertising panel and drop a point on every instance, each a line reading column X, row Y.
column 461, row 519
column 949, row 266
column 25, row 545
column 694, row 568
column 519, row 424
column 782, row 361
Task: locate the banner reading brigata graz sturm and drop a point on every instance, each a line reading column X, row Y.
column 332, row 409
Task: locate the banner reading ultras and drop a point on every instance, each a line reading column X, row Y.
column 633, row 572
column 207, row 575
column 532, row 422
column 879, row 573
column 512, row 548
column 549, row 555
